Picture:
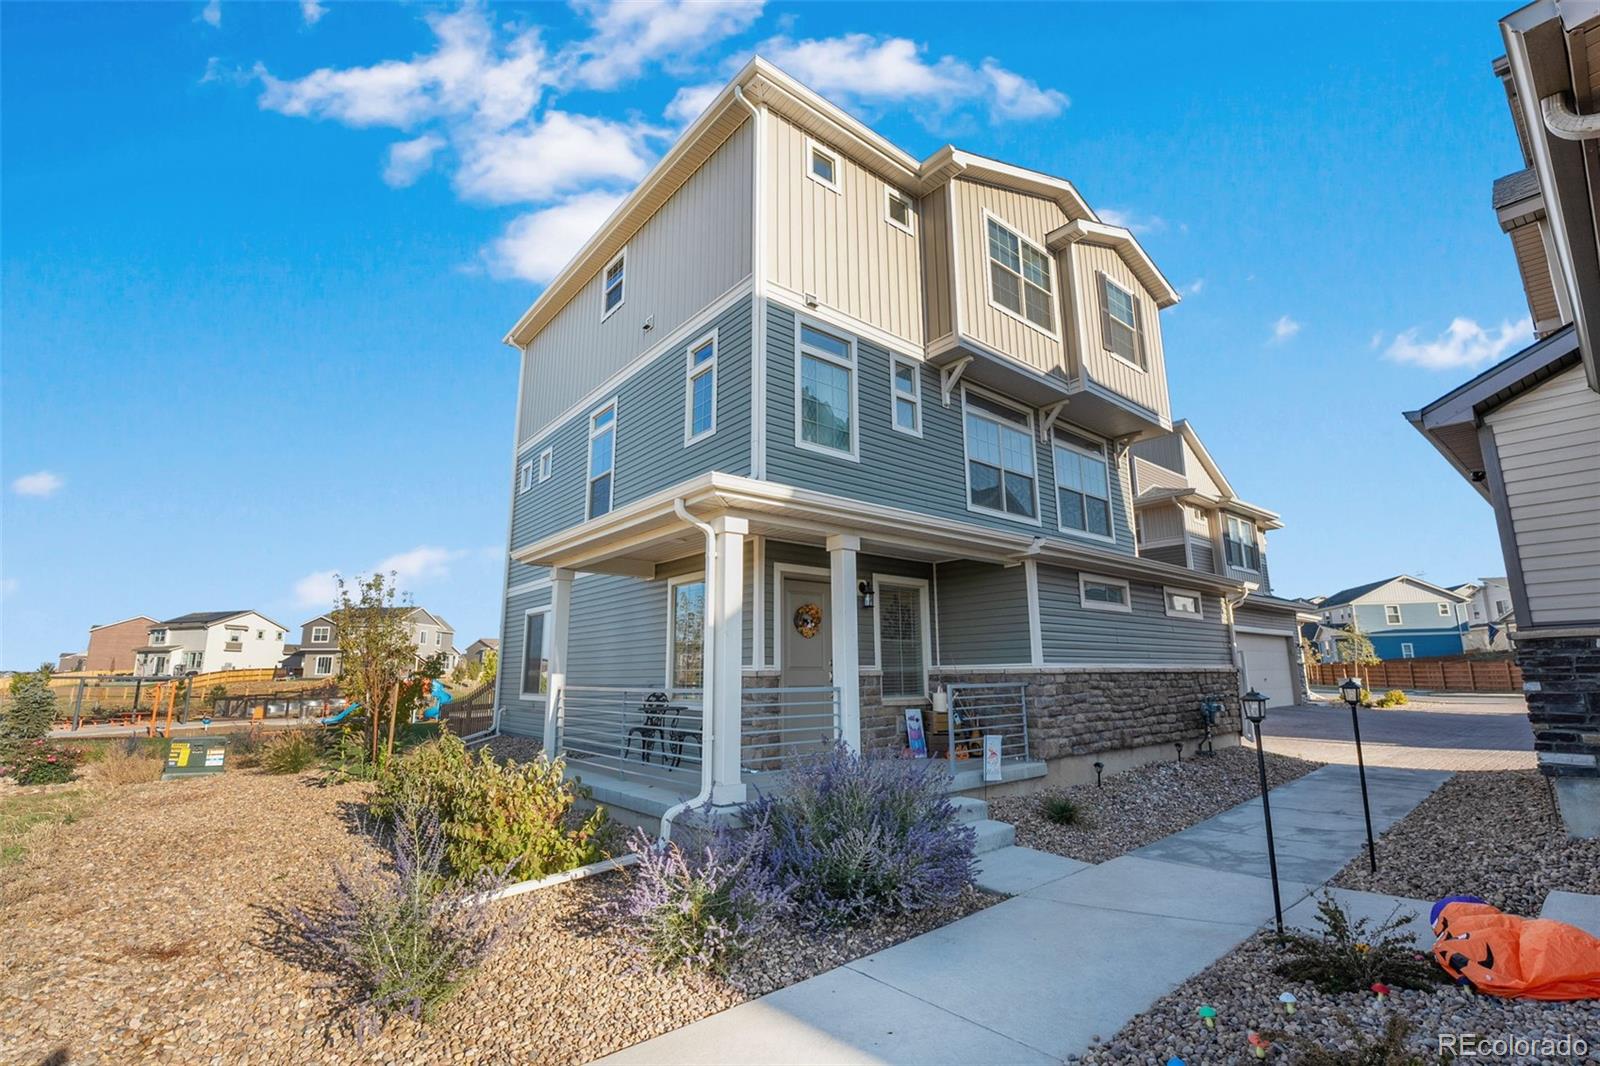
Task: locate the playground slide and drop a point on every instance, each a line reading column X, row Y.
column 441, row 696
column 335, row 719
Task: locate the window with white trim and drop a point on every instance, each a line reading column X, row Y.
column 1000, row 467
column 602, row 458
column 1239, row 544
column 1020, row 277
column 897, row 210
column 1083, row 485
column 193, row 659
column 827, row 391
column 1119, row 323
column 158, row 636
column 535, row 653
column 822, row 166
column 901, row 613
column 547, row 464
column 905, row 387
column 1104, row 593
column 1444, row 610
column 700, row 401
column 1391, row 614
column 1408, row 651
column 611, row 290
column 525, row 476
column 685, row 666
column 1181, row 603
column 321, row 634
column 322, row 666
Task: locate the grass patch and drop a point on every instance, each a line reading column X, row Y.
column 19, row 815
column 290, row 753
column 1062, row 810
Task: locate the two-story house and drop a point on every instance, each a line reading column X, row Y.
column 1186, row 513
column 318, row 653
column 1524, row 432
column 813, row 433
column 1490, row 620
column 204, row 641
column 1404, row 617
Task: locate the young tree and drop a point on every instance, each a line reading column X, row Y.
column 491, row 665
column 376, row 650
column 1356, row 647
column 32, row 709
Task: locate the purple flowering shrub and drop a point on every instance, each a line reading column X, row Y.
column 701, row 905
column 402, row 934
column 38, row 762
column 852, row 837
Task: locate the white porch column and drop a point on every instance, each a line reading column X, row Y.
column 725, row 631
column 842, row 551
column 560, row 612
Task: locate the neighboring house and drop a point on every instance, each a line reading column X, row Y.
column 112, row 645
column 71, row 662
column 1489, row 614
column 479, row 649
column 1187, row 514
column 1523, row 433
column 1404, row 617
column 207, row 641
column 850, row 427
column 319, row 641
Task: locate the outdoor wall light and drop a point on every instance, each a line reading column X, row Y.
column 864, row 590
column 1255, row 712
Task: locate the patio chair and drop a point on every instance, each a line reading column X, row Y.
column 660, row 734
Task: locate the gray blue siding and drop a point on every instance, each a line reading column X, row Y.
column 1171, row 554
column 1248, row 614
column 983, row 614
column 866, row 566
column 1072, row 634
column 523, row 717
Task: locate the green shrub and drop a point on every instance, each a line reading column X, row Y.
column 31, row 710
column 38, row 762
column 289, row 753
column 494, row 817
column 1393, row 698
column 1061, row 810
column 244, row 748
column 1351, row 956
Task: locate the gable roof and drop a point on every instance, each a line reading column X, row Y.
column 108, row 625
column 1344, row 596
column 202, row 618
column 1228, row 498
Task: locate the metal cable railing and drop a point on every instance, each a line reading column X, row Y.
column 977, row 711
column 645, row 734
column 781, row 725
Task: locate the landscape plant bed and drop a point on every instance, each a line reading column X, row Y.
column 1243, row 987
column 1145, row 804
column 1493, row 834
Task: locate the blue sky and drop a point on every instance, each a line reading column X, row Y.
column 258, row 259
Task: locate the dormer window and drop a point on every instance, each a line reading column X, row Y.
column 612, row 292
column 1239, row 541
column 1119, row 322
column 158, row 636
column 1020, row 280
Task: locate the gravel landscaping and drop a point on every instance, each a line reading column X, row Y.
column 154, row 927
column 1496, row 835
column 1143, row 805
column 1244, row 989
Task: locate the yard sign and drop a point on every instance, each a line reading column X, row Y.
column 191, row 758
column 916, row 740
column 991, row 756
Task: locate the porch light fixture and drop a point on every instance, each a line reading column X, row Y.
column 864, row 590
column 1351, row 691
column 1255, row 712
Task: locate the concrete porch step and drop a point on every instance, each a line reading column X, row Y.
column 993, row 835
column 968, row 809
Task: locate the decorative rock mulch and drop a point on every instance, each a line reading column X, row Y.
column 1496, row 835
column 156, row 929
column 1143, row 805
column 1243, row 988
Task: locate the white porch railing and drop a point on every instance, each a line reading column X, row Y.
column 647, row 735
column 781, row 725
column 977, row 711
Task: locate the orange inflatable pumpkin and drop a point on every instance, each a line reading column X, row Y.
column 1515, row 958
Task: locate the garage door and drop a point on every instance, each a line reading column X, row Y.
column 1268, row 667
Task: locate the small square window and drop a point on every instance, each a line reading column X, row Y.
column 1391, row 614
column 1444, row 610
column 822, row 166
column 897, row 210
column 1104, row 593
column 1181, row 603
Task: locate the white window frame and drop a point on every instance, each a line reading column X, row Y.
column 1137, row 327
column 1408, row 650
column 673, row 584
column 1398, row 619
column 588, row 484
column 1444, row 610
column 1054, row 333
column 921, row 584
column 193, row 659
column 801, row 351
column 1200, row 604
column 693, row 372
column 622, row 284
column 547, row 464
column 1111, row 514
column 318, row 669
column 326, row 634
column 890, row 195
column 522, row 658
column 914, row 397
column 158, row 636
column 966, row 459
column 1254, row 543
column 525, row 476
column 1084, row 580
column 815, row 146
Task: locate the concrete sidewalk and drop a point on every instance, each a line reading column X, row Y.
column 1074, row 954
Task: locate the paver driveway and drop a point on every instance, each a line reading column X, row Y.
column 1430, row 733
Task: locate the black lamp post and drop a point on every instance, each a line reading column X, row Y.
column 1255, row 712
column 1351, row 691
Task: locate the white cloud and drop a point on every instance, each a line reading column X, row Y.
column 629, row 34
column 537, row 245
column 559, row 154
column 1283, row 329
column 859, row 67
column 426, row 563
column 211, row 14
column 319, row 589
column 1195, row 287
column 409, row 160
column 1463, row 344
column 41, row 483
column 1132, row 221
column 8, row 585
column 690, row 101
column 311, row 11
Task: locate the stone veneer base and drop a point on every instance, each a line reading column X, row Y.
column 1561, row 680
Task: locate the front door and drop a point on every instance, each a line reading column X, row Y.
column 806, row 630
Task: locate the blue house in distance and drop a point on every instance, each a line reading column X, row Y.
column 1404, row 617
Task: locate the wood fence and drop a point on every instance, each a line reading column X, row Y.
column 471, row 712
column 1455, row 674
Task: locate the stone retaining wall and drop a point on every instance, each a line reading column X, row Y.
column 1561, row 679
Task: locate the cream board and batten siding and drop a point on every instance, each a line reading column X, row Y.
column 1548, row 442
column 937, row 280
column 839, row 245
column 695, row 248
column 1147, row 388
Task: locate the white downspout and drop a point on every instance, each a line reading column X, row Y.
column 1233, row 634
column 1563, row 122
column 707, row 674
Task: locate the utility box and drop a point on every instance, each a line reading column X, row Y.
column 195, row 758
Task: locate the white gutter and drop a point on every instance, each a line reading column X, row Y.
column 707, row 674
column 1233, row 633
column 1563, row 122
